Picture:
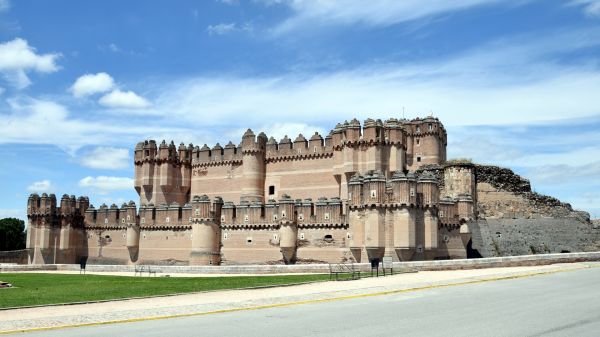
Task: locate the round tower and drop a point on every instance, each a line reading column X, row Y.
column 206, row 231
column 288, row 230
column 133, row 230
column 253, row 165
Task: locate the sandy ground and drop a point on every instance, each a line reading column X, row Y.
column 134, row 309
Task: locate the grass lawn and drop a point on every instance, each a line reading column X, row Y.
column 38, row 289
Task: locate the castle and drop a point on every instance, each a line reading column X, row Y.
column 360, row 193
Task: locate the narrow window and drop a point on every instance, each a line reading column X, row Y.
column 147, row 153
column 418, row 159
column 418, row 142
column 272, row 190
column 430, row 127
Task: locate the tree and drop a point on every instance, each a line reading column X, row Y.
column 12, row 234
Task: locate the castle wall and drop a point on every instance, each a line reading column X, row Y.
column 450, row 245
column 223, row 180
column 306, row 215
column 301, row 179
column 109, row 246
column 323, row 244
column 248, row 246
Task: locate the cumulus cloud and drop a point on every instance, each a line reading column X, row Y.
column 221, row 28
column 90, row 84
column 105, row 184
column 123, row 99
column 310, row 13
column 42, row 186
column 590, row 7
column 103, row 157
column 17, row 58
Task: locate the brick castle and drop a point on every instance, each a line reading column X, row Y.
column 360, row 193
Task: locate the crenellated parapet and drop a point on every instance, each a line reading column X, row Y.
column 373, row 189
column 426, row 141
column 43, row 210
column 305, row 213
column 374, row 132
column 53, row 234
column 163, row 173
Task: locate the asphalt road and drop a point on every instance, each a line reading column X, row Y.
column 561, row 304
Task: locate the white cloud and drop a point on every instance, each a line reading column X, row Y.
column 504, row 82
column 590, row 7
column 104, row 184
column 42, row 186
column 90, row 84
column 229, row 2
column 17, row 58
column 4, row 5
column 564, row 173
column 103, row 157
column 221, row 28
column 123, row 99
column 311, row 13
column 32, row 121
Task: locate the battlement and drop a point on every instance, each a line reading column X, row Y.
column 46, row 205
column 373, row 189
column 147, row 151
column 303, row 213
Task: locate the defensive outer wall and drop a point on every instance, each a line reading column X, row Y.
column 360, row 193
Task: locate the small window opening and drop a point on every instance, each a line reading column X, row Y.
column 328, row 238
column 271, row 190
column 249, row 241
column 418, row 142
column 147, row 153
column 418, row 159
column 430, row 127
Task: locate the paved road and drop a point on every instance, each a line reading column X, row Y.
column 561, row 304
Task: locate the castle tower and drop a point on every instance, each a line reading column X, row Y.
column 403, row 215
column 429, row 199
column 395, row 137
column 163, row 174
column 374, row 213
column 288, row 230
column 373, row 134
column 144, row 155
column 426, row 142
column 67, row 243
column 253, row 163
column 465, row 207
column 206, row 231
column 133, row 230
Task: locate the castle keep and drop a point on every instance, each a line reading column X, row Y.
column 360, row 193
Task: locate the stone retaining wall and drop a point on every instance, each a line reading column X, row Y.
column 493, row 262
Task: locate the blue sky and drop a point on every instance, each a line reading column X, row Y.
column 517, row 83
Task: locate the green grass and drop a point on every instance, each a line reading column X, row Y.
column 41, row 289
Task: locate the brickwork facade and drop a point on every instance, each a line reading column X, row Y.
column 357, row 194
